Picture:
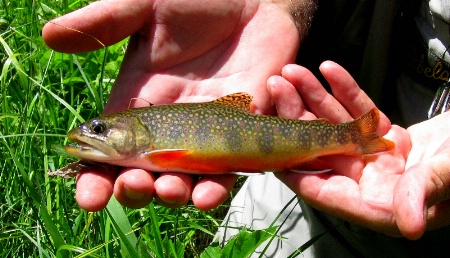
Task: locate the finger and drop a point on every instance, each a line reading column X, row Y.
column 409, row 203
column 316, row 98
column 173, row 190
column 423, row 185
column 286, row 99
column 211, row 191
column 349, row 94
column 134, row 188
column 345, row 89
column 290, row 105
column 107, row 21
column 94, row 189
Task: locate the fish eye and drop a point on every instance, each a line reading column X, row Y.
column 97, row 127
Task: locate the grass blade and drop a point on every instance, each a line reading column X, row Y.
column 156, row 232
column 121, row 225
column 58, row 240
column 39, row 247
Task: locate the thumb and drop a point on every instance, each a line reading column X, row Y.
column 424, row 185
column 99, row 24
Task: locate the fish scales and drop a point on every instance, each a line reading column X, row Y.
column 219, row 137
column 211, row 127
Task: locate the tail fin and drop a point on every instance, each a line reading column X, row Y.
column 371, row 143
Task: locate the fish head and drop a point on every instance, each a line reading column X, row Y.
column 109, row 138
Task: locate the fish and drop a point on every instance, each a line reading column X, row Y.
column 219, row 137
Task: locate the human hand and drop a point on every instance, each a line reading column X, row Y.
column 422, row 195
column 180, row 51
column 388, row 192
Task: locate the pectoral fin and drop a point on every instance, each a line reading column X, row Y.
column 187, row 161
column 167, row 155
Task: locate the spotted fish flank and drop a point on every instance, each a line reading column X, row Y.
column 221, row 136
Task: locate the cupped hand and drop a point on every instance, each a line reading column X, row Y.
column 388, row 192
column 180, row 51
column 422, row 196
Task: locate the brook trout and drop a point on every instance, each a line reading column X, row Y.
column 218, row 137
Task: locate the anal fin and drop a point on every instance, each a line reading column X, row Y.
column 315, row 166
column 312, row 172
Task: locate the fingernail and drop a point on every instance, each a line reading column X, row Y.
column 168, row 201
column 135, row 195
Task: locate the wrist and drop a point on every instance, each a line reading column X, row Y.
column 301, row 11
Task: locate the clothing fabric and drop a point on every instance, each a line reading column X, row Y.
column 399, row 56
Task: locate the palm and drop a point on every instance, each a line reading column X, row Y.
column 366, row 200
column 189, row 50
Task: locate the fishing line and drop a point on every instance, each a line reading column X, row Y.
column 134, row 99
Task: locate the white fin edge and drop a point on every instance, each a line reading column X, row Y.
column 311, row 172
column 248, row 173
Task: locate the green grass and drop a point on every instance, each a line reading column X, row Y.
column 42, row 95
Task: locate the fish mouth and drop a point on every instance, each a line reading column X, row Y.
column 84, row 150
column 89, row 148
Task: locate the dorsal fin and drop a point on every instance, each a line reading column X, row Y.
column 239, row 100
